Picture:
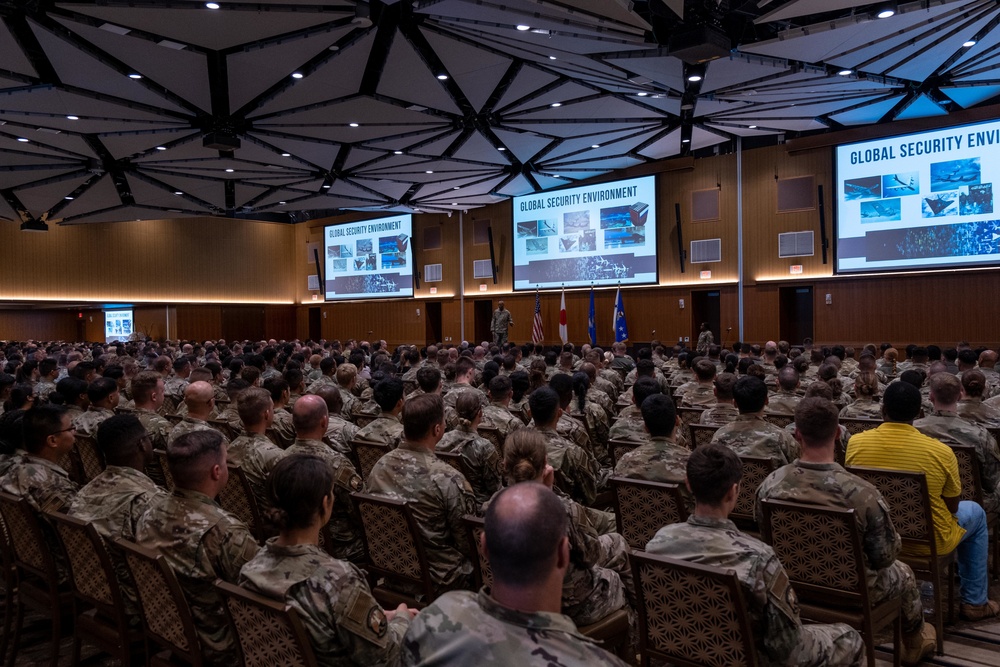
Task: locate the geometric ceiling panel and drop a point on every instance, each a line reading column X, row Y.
column 968, row 96
column 41, row 198
column 318, row 153
column 6, row 212
column 527, row 82
column 100, row 195
column 13, row 59
column 797, row 8
column 477, row 148
column 125, row 145
column 407, row 77
column 665, row 70
column 524, row 145
column 476, row 71
column 921, row 107
column 128, row 214
column 866, row 114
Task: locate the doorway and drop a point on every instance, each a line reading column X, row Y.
column 432, row 322
column 705, row 307
column 795, row 321
column 315, row 324
column 482, row 317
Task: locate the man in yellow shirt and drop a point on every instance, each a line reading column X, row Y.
column 897, row 445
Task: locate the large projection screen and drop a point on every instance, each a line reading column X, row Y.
column 918, row 201
column 601, row 234
column 118, row 325
column 369, row 259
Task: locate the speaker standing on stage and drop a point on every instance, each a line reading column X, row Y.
column 501, row 322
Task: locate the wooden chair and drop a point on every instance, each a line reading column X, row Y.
column 161, row 460
column 362, row 420
column 88, row 460
column 237, row 497
column 520, row 414
column 779, row 420
column 820, row 549
column 98, row 611
column 619, row 448
column 690, row 614
column 755, row 471
column 642, row 508
column 855, row 426
column 224, row 428
column 701, row 434
column 455, row 460
column 366, row 454
column 611, row 631
column 393, row 542
column 409, row 386
column 910, row 509
column 493, row 435
column 270, row 633
column 689, row 416
column 972, row 489
column 166, row 617
column 35, row 566
column 9, row 585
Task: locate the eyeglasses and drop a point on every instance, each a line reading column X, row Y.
column 64, row 430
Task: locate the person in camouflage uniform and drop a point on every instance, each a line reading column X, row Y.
column 103, row 395
column 595, row 420
column 866, row 389
column 254, row 452
column 629, row 426
column 311, row 420
column 230, row 413
column 339, row 431
column 945, row 424
column 282, row 430
column 517, row 620
column 347, row 380
column 387, row 428
column 199, row 540
column 326, row 376
column 750, row 435
column 971, row 405
column 599, row 394
column 568, row 427
column 465, row 370
column 815, row 479
column 577, row 471
column 345, row 625
column 114, row 500
column 438, row 494
column 723, row 412
column 710, row 538
column 789, row 393
column 661, row 459
column 496, row 415
column 200, row 400
column 702, row 393
column 480, row 458
column 175, row 386
column 147, row 392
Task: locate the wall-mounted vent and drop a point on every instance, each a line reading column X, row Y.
column 795, row 244
column 707, row 250
column 481, row 268
column 313, row 282
column 432, row 273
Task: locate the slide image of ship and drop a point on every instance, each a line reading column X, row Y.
column 340, row 265
column 900, row 185
column 869, row 187
column 616, row 216
column 978, row 200
column 528, row 229
column 639, row 211
column 547, row 228
column 624, row 237
column 364, row 247
column 576, row 221
column 396, row 243
column 881, row 210
column 588, row 241
column 393, row 260
column 568, row 243
column 537, row 246
column 949, row 175
column 940, row 205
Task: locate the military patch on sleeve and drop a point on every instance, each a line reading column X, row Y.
column 783, row 595
column 356, row 483
column 363, row 617
column 377, row 621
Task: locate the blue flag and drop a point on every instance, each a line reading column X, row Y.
column 591, row 321
column 621, row 327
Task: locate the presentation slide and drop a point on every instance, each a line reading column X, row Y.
column 369, row 259
column 601, row 234
column 118, row 325
column 919, row 201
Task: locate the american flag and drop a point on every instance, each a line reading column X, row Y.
column 536, row 328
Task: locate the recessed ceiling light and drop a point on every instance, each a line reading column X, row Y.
column 326, row 186
column 22, row 140
column 353, row 124
column 552, row 58
column 297, row 75
column 969, row 43
column 442, row 77
column 642, row 94
column 134, row 75
column 72, row 118
column 556, row 104
column 229, row 171
column 454, row 203
column 397, row 152
column 501, row 148
column 694, row 78
column 281, row 203
column 595, row 145
column 68, row 197
column 428, row 172
column 556, row 176
column 751, row 127
column 178, row 192
column 845, row 72
column 212, row 5
column 286, row 155
column 455, row 188
column 523, row 28
column 886, row 13
column 685, row 141
column 161, row 148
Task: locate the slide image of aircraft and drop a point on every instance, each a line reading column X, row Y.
column 951, row 174
column 547, row 228
column 945, row 203
column 882, row 210
column 527, row 229
column 568, row 243
column 869, row 187
column 896, row 185
column 537, row 246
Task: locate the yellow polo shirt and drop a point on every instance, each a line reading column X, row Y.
column 902, row 447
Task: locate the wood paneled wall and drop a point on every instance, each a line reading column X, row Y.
column 38, row 325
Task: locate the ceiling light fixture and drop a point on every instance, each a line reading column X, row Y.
column 297, row 75
column 595, row 145
column 845, row 72
column 501, row 148
column 455, row 188
column 428, row 172
column 442, row 77
column 229, row 171
column 685, row 141
column 969, row 43
column 326, row 186
column 353, row 124
column 286, row 155
column 885, row 10
column 397, row 152
column 751, row 127
column 135, row 76
column 212, row 5
column 68, row 197
column 642, row 94
column 886, row 13
column 161, row 148
column 523, row 28
column 281, row 203
column 22, row 140
column 178, row 192
column 694, row 78
column 72, row 118
column 555, row 104
column 552, row 58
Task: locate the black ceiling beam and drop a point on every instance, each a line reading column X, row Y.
column 17, row 23
column 387, row 21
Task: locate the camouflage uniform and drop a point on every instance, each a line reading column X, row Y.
column 321, row 382
column 771, row 603
column 187, row 425
column 597, row 424
column 231, row 417
column 612, row 377
column 975, row 410
column 282, row 429
column 577, row 471
column 602, row 385
column 482, row 463
column 256, row 455
column 340, row 432
column 386, row 429
column 951, row 429
column 574, row 431
column 475, row 629
column 497, row 416
column 750, row 435
column 699, row 396
column 782, row 403
column 457, row 390
column 351, row 402
column 629, row 426
column 86, row 423
column 346, row 626
column 201, row 542
column 113, row 502
column 659, row 460
column 862, row 408
column 439, row 496
column 156, row 426
column 42, row 391
column 595, row 395
column 344, row 530
column 828, row 484
column 719, row 415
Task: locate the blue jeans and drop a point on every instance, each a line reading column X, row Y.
column 972, row 553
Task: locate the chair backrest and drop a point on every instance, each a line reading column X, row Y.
column 779, row 420
column 689, row 415
column 995, row 432
column 906, row 494
column 91, row 571
column 362, row 420
column 270, row 633
column 493, row 435
column 619, row 448
column 171, row 417
column 520, row 414
column 969, row 473
column 366, row 455
column 755, row 471
column 820, row 549
column 393, row 540
column 483, row 573
column 454, row 459
column 88, row 458
column 237, row 497
column 161, row 459
column 701, row 434
column 642, row 508
column 166, row 616
column 855, row 426
column 30, row 551
column 224, row 428
column 691, row 614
